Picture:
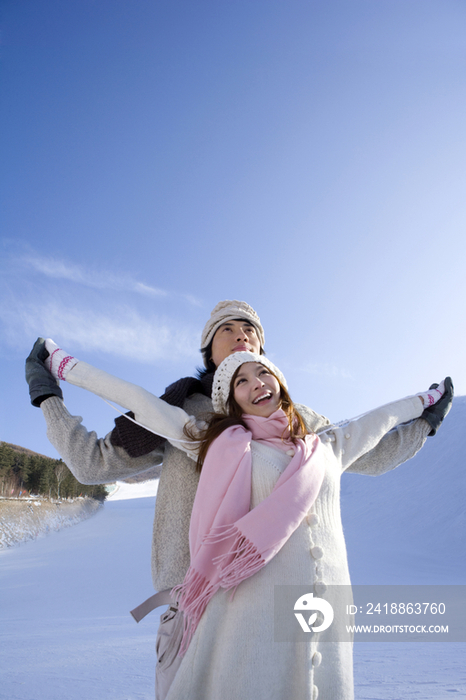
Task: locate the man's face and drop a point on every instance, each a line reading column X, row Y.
column 234, row 336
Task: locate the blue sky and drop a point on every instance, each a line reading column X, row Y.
column 306, row 157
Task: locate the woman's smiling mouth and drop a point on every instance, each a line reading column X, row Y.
column 263, row 397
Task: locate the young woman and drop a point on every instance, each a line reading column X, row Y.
column 266, row 513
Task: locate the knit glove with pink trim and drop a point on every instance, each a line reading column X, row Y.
column 58, row 362
column 430, row 397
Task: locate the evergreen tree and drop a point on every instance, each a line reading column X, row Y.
column 21, row 470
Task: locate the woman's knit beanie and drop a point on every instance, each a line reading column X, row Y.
column 230, row 310
column 225, row 372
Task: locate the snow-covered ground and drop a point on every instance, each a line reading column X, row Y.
column 65, row 629
column 27, row 519
column 66, row 633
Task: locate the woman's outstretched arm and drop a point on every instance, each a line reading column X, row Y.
column 361, row 436
column 149, row 411
column 92, row 460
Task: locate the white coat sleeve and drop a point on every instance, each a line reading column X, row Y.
column 149, row 411
column 360, row 436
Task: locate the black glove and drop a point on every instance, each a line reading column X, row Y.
column 42, row 385
column 435, row 414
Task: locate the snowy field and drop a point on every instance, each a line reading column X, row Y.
column 66, row 633
column 27, row 519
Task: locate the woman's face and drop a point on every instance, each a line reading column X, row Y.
column 256, row 391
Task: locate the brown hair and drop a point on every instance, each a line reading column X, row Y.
column 218, row 422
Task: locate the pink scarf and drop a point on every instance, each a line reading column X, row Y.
column 228, row 542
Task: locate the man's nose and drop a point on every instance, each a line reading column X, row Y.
column 241, row 335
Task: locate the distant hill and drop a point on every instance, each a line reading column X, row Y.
column 24, row 450
column 148, row 475
column 24, row 472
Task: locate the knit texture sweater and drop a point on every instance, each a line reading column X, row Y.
column 233, row 653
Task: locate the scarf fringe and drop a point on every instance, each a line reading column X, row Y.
column 247, row 560
column 219, row 534
column 192, row 596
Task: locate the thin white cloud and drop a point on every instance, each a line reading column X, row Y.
column 124, row 333
column 149, row 291
column 18, row 264
column 102, row 279
column 58, row 269
column 191, row 299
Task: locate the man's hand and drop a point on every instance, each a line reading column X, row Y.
column 435, row 414
column 41, row 383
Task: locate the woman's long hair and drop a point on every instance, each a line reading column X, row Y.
column 218, row 422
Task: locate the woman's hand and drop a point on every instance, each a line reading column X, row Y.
column 435, row 393
column 59, row 362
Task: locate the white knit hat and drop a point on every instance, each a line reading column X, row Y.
column 225, row 371
column 230, row 310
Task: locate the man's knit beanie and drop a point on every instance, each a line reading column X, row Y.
column 225, row 372
column 230, row 310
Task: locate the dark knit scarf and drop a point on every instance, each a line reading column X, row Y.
column 137, row 441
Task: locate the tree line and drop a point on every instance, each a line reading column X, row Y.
column 23, row 472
